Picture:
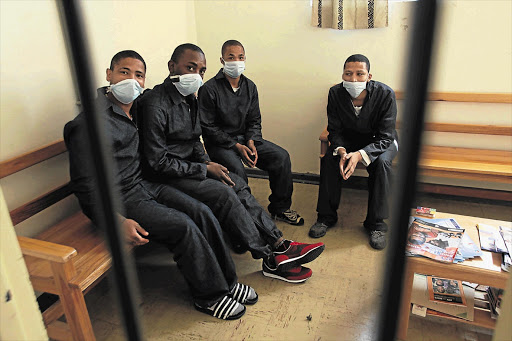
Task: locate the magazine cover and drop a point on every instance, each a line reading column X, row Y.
column 445, row 290
column 490, row 238
column 433, row 241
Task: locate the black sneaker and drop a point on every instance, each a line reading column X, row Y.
column 377, row 239
column 318, row 230
column 290, row 216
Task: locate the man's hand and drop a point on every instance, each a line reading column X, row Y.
column 133, row 232
column 219, row 172
column 247, row 154
column 348, row 163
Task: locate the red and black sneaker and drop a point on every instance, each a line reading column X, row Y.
column 291, row 254
column 294, row 275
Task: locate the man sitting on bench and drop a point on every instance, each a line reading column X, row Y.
column 175, row 155
column 229, row 110
column 184, row 225
column 361, row 115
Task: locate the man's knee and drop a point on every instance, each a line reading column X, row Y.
column 240, row 184
column 384, row 162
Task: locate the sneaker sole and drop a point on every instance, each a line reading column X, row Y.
column 300, row 223
column 267, row 274
column 310, row 256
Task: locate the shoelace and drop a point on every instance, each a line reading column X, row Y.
column 291, row 214
column 377, row 233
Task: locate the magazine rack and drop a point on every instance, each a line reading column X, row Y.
column 485, row 270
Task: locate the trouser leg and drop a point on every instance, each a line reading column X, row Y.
column 205, row 220
column 228, row 209
column 192, row 253
column 229, row 159
column 276, row 161
column 329, row 190
column 380, row 173
column 264, row 223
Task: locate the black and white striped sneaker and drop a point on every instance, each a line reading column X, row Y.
column 226, row 309
column 244, row 294
column 290, row 216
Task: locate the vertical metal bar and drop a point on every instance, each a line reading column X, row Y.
column 78, row 55
column 418, row 70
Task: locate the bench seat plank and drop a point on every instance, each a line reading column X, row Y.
column 92, row 258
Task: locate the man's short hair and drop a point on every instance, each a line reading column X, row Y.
column 230, row 43
column 358, row 58
column 126, row 54
column 178, row 52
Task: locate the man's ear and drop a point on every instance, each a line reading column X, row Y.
column 109, row 75
column 170, row 66
column 369, row 76
column 221, row 60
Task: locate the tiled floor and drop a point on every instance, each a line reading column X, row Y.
column 342, row 297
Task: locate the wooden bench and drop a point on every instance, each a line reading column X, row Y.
column 461, row 163
column 68, row 259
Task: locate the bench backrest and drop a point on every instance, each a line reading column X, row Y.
column 27, row 160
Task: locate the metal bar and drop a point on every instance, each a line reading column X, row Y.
column 418, row 70
column 108, row 205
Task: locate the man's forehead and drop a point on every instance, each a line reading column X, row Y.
column 191, row 56
column 130, row 63
column 234, row 50
column 356, row 65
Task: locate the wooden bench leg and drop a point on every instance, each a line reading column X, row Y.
column 73, row 303
column 405, row 304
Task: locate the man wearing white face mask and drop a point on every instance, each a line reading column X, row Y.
column 230, row 117
column 361, row 116
column 174, row 155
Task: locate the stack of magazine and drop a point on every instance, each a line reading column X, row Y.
column 497, row 240
column 440, row 239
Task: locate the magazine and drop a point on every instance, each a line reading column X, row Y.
column 506, row 233
column 433, row 241
column 445, row 290
column 491, row 239
column 467, row 248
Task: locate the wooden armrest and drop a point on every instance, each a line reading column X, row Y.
column 46, row 250
column 323, row 136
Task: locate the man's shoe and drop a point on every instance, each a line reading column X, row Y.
column 377, row 239
column 318, row 230
column 289, row 216
column 291, row 254
column 294, row 275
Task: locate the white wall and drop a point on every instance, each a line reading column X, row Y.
column 294, row 64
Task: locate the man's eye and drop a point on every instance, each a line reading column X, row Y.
column 124, row 72
column 190, row 68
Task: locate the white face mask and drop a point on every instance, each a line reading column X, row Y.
column 189, row 83
column 234, row 69
column 354, row 88
column 126, row 91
